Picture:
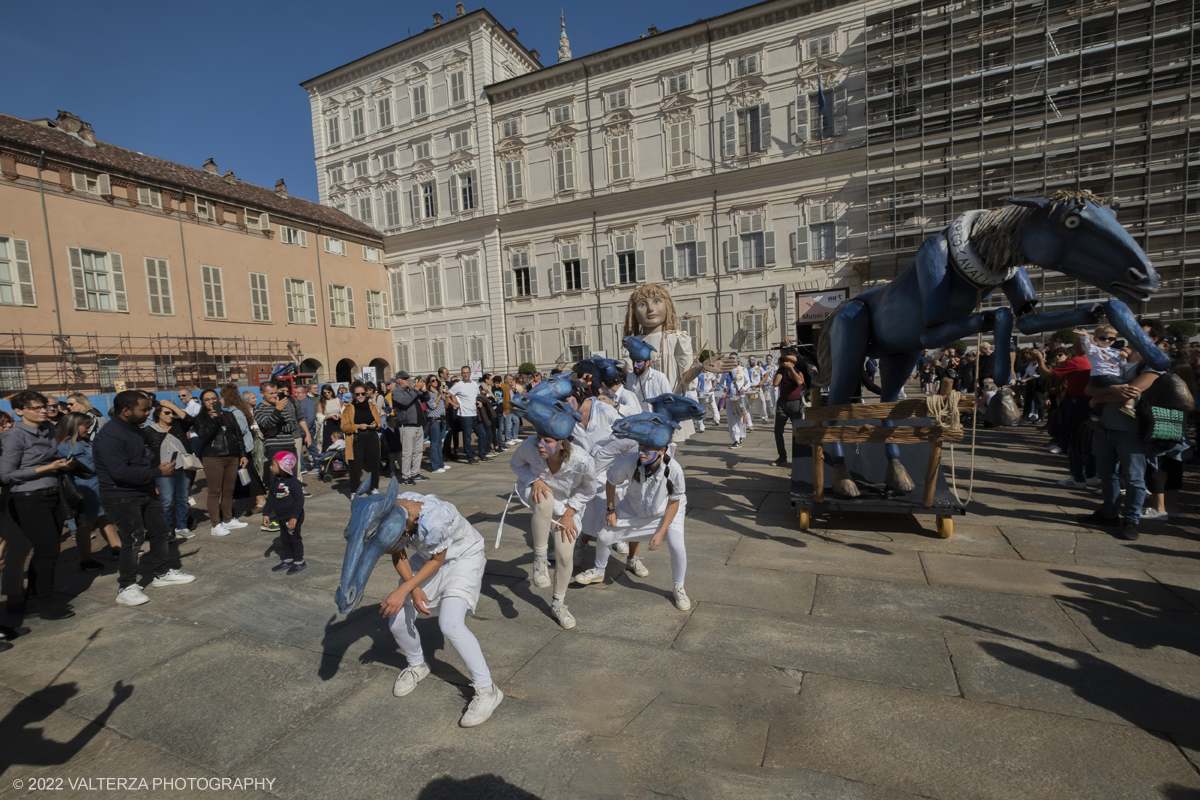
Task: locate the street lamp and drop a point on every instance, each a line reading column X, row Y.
column 774, row 301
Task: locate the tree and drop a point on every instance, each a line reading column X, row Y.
column 528, row 368
column 1182, row 328
column 1068, row 335
column 959, row 345
column 705, row 355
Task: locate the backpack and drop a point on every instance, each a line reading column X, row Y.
column 1163, row 410
column 1002, row 410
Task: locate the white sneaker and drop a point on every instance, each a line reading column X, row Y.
column 219, row 530
column 439, row 471
column 1153, row 513
column 132, row 595
column 1071, row 483
column 446, row 468
column 234, row 523
column 621, row 548
column 636, row 566
column 408, row 679
column 1093, row 481
column 592, row 575
column 482, row 706
column 564, row 617
column 681, row 599
column 173, row 577
column 1055, row 450
column 183, row 533
column 541, row 572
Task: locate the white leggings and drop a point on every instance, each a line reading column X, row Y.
column 642, row 530
column 452, row 615
column 543, row 513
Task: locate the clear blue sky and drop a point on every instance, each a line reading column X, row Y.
column 219, row 79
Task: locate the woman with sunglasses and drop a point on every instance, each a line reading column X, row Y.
column 30, row 465
column 329, row 416
column 360, row 423
column 77, row 402
column 435, row 411
column 224, row 454
column 166, row 434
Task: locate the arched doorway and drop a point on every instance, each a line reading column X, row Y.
column 345, row 370
column 382, row 370
column 310, row 366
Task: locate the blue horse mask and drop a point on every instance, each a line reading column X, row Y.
column 602, row 370
column 548, row 417
column 676, row 407
column 639, row 349
column 376, row 524
column 647, row 429
column 558, row 387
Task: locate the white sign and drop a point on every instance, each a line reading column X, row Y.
column 476, row 369
column 368, row 375
column 812, row 308
column 599, row 354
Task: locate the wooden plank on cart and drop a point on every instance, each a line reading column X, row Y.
column 874, row 433
column 903, row 409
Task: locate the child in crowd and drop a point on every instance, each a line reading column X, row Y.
column 285, row 502
column 393, row 446
column 1106, row 363
column 337, row 444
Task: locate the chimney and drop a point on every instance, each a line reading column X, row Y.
column 653, row 30
column 437, row 19
column 210, row 166
column 512, row 32
column 460, row 10
column 281, row 188
column 536, row 56
column 73, row 126
column 230, row 177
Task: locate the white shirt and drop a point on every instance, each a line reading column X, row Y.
column 440, row 527
column 192, row 408
column 572, row 485
column 650, row 383
column 737, row 382
column 756, row 375
column 466, row 393
column 649, row 496
column 706, row 384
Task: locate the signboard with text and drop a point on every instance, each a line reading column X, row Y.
column 816, row 307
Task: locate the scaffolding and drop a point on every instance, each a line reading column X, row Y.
column 971, row 101
column 92, row 363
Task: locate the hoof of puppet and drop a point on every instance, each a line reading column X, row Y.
column 843, row 484
column 898, row 479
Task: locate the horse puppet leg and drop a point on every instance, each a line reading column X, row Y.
column 850, row 335
column 1121, row 317
column 893, row 373
column 1067, row 318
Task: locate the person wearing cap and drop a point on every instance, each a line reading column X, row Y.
column 737, row 412
column 285, row 506
column 440, row 559
column 653, row 504
column 406, row 409
column 554, row 479
column 645, row 381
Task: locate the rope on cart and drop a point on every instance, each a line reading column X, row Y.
column 974, row 415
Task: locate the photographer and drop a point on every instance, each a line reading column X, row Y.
column 278, row 420
column 29, row 465
column 406, row 408
column 791, row 387
column 223, row 450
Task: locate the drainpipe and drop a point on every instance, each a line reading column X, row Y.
column 323, row 291
column 49, row 247
column 187, row 280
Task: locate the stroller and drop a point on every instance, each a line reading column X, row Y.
column 332, row 464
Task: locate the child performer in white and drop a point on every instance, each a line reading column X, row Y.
column 554, row 479
column 651, row 507
column 737, row 410
column 444, row 572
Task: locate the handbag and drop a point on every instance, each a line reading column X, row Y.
column 69, row 497
column 188, row 461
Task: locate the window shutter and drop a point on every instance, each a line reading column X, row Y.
column 264, row 221
column 24, row 273
column 840, row 110
column 289, row 301
column 533, row 278
column 143, row 196
column 414, row 205
column 800, row 250
column 769, row 248
column 312, row 302
column 332, row 305
column 76, row 258
column 350, row 305
column 556, row 277
column 764, row 126
column 118, row 276
column 585, row 275
column 731, row 136
column 802, row 117
column 303, row 238
column 668, row 260
column 152, row 289
column 701, row 258
column 639, row 261
column 610, row 270
column 816, row 214
column 396, row 278
column 104, row 185
column 843, row 240
column 508, row 284
column 452, row 186
column 733, row 254
column 79, row 181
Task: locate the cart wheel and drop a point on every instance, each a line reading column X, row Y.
column 945, row 527
column 805, row 519
column 327, row 478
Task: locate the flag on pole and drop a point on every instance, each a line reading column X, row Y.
column 821, row 107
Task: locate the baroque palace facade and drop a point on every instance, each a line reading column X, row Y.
column 762, row 164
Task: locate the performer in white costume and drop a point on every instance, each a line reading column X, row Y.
column 737, row 410
column 706, row 389
column 692, row 391
column 756, row 395
column 440, row 560
column 768, row 384
column 644, row 381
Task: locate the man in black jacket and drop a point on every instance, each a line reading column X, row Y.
column 126, row 470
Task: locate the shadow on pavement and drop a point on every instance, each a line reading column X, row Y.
column 481, row 787
column 26, row 742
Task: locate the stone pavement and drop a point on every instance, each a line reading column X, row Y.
column 1025, row 657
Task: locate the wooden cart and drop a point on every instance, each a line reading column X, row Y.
column 931, row 495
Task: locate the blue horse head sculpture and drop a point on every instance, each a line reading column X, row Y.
column 601, row 369
column 639, row 349
column 376, row 524
column 647, row 429
column 548, row 417
column 676, row 407
column 558, row 387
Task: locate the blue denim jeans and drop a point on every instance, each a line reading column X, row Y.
column 469, row 425
column 511, row 427
column 1121, row 456
column 437, row 429
column 173, row 494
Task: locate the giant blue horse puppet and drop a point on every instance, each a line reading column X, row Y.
column 934, row 301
